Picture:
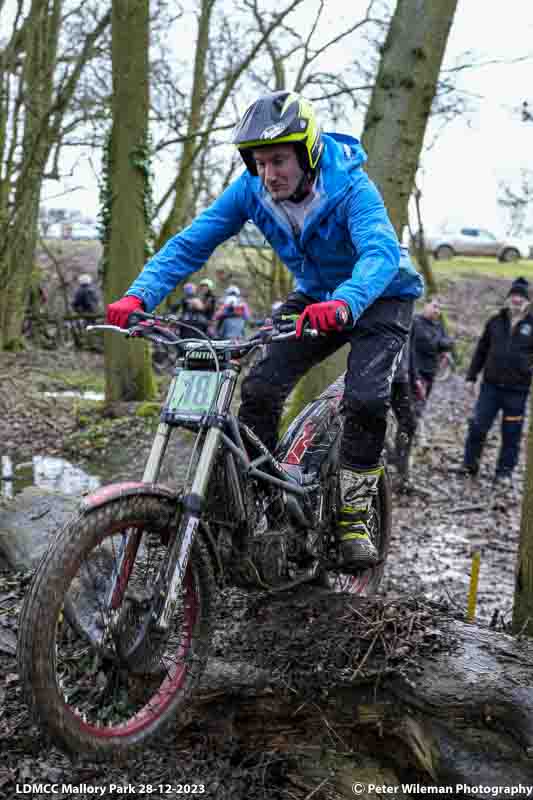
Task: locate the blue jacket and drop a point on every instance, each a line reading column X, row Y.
column 347, row 250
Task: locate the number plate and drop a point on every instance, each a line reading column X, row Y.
column 192, row 393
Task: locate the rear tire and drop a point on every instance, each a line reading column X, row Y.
column 509, row 255
column 81, row 688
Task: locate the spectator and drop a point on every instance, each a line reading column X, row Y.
column 233, row 315
column 207, row 299
column 185, row 305
column 428, row 341
column 85, row 299
column 505, row 355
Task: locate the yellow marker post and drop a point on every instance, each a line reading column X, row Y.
column 472, row 592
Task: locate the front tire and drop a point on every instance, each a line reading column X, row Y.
column 80, row 686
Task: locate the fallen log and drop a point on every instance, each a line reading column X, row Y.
column 399, row 681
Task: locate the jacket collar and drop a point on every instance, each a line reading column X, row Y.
column 341, row 157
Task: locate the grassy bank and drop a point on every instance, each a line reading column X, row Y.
column 463, row 267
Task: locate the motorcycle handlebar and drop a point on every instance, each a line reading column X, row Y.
column 150, row 326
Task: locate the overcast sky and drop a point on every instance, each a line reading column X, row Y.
column 462, row 170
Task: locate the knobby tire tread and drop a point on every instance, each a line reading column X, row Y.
column 37, row 628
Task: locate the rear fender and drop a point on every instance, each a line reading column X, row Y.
column 309, row 441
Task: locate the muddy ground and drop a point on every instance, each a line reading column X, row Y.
column 436, row 528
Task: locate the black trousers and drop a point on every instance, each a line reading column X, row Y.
column 493, row 399
column 403, row 405
column 376, row 342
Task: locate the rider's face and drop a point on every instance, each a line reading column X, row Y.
column 278, row 168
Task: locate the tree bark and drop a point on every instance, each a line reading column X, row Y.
column 127, row 366
column 523, row 596
column 432, row 696
column 35, row 92
column 420, row 250
column 401, row 99
column 33, row 104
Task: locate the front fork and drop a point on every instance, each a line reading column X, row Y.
column 128, row 551
column 180, row 548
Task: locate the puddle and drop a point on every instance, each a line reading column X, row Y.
column 46, row 472
column 80, row 395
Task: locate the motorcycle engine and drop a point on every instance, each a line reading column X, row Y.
column 263, row 560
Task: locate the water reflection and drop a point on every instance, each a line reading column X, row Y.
column 81, row 395
column 46, row 472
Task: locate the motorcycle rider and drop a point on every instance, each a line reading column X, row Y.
column 308, row 194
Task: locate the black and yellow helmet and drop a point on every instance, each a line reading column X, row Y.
column 278, row 118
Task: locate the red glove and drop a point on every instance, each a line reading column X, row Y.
column 333, row 315
column 119, row 312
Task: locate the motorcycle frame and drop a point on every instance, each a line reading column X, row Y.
column 223, row 428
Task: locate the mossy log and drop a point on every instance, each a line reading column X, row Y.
column 398, row 681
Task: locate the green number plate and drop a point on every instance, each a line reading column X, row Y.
column 192, row 392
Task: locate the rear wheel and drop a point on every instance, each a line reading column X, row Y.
column 367, row 581
column 105, row 694
column 509, row 255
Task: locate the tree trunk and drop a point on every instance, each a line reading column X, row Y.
column 429, row 697
column 19, row 227
column 282, row 280
column 33, row 104
column 401, row 99
column 127, row 365
column 420, row 250
column 523, row 596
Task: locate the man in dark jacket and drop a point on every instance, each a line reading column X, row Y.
column 429, row 342
column 505, row 355
column 311, row 199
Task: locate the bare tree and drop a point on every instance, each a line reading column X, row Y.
column 401, row 100
column 128, row 369
column 208, row 101
column 39, row 73
column 518, row 202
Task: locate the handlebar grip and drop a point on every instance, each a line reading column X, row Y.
column 136, row 317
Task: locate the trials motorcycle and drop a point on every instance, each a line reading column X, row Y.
column 115, row 627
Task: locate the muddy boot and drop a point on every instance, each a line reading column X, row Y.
column 358, row 490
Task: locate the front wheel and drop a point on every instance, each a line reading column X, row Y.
column 444, row 253
column 367, row 581
column 87, row 695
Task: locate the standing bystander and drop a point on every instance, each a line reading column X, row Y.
column 505, row 355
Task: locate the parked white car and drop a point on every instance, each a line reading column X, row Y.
column 475, row 242
column 82, row 230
